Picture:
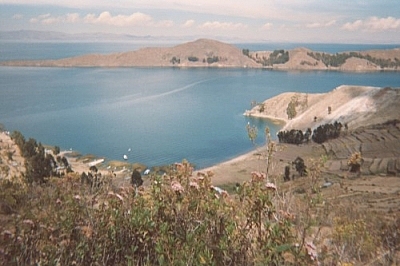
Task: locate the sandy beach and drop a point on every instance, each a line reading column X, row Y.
column 353, row 105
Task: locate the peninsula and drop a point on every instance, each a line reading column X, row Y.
column 355, row 106
column 212, row 53
column 367, row 113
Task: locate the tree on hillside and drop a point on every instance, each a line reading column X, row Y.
column 291, row 110
column 286, row 177
column 213, row 59
column 175, row 60
column 136, row 178
column 93, row 169
column 327, row 131
column 276, row 57
column 262, row 107
column 300, row 166
column 38, row 164
column 18, row 138
column 193, row 59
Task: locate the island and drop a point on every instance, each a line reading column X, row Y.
column 216, row 54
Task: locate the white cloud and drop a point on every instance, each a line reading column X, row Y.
column 352, row 26
column 290, row 20
column 48, row 19
column 267, row 26
column 188, row 23
column 51, row 20
column 330, row 23
column 250, row 8
column 104, row 18
column 163, row 24
column 18, row 16
column 72, row 18
column 119, row 20
column 40, row 18
column 44, row 16
column 210, row 25
column 373, row 24
column 321, row 25
column 382, row 24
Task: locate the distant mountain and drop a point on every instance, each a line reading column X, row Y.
column 31, row 35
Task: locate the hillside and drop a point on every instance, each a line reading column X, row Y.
column 212, row 53
column 200, row 53
column 305, row 59
column 352, row 105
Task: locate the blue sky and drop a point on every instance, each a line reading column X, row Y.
column 320, row 21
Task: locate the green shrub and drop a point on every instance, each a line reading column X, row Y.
column 178, row 220
column 276, row 57
column 213, row 59
column 193, row 58
column 355, row 236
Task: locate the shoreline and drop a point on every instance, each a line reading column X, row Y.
column 247, row 155
column 81, row 163
column 273, row 119
column 236, row 159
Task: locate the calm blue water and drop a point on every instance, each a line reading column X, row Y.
column 163, row 114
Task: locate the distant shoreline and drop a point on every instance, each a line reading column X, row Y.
column 214, row 54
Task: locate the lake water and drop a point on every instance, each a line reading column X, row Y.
column 162, row 114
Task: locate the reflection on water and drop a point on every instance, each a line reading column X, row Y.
column 163, row 115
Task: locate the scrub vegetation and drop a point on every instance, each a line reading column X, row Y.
column 338, row 59
column 180, row 218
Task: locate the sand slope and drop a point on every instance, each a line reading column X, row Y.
column 354, row 105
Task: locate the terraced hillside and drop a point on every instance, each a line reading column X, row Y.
column 379, row 146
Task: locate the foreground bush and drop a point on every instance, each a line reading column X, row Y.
column 178, row 220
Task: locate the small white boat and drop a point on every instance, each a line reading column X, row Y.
column 125, row 157
column 96, row 162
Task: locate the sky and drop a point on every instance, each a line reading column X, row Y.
column 307, row 21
